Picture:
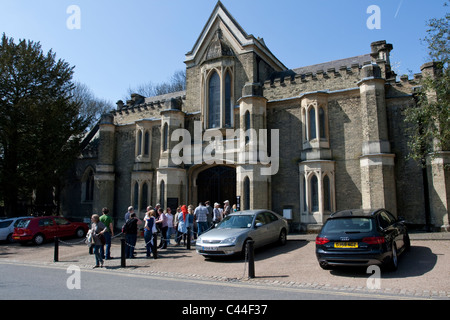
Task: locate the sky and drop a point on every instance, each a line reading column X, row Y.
column 115, row 45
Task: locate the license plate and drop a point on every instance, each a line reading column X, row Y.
column 209, row 248
column 346, row 244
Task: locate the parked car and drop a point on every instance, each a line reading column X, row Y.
column 362, row 238
column 7, row 226
column 40, row 229
column 232, row 233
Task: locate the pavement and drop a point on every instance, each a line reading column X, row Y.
column 424, row 272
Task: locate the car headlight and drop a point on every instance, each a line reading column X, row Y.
column 231, row 240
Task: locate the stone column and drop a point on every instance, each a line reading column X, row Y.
column 170, row 176
column 376, row 162
column 253, row 104
column 105, row 176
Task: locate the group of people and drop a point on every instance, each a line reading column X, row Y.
column 188, row 220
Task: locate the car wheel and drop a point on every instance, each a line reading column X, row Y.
column 80, row 233
column 9, row 238
column 282, row 239
column 38, row 239
column 393, row 263
column 407, row 242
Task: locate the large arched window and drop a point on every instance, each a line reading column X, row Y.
column 228, row 105
column 214, row 101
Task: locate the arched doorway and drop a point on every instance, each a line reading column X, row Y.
column 217, row 184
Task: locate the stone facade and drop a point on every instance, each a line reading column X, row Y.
column 333, row 135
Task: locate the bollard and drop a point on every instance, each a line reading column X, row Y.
column 56, row 253
column 155, row 246
column 188, row 240
column 251, row 259
column 123, row 263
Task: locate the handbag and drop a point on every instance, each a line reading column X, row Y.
column 88, row 240
column 102, row 238
column 154, row 230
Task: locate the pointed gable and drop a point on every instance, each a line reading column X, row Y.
column 222, row 35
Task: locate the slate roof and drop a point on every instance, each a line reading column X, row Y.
column 336, row 64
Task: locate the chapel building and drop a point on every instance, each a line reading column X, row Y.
column 302, row 142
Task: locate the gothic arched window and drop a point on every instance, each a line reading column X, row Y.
column 139, row 143
column 162, row 196
column 89, row 195
column 214, row 101
column 312, row 124
column 322, row 134
column 247, row 126
column 136, row 195
column 165, row 137
column 147, row 143
column 144, row 199
column 326, row 194
column 228, row 105
column 314, row 193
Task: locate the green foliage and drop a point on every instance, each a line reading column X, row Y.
column 430, row 120
column 40, row 126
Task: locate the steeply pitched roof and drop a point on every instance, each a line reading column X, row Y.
column 236, row 36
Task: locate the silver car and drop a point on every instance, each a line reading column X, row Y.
column 230, row 236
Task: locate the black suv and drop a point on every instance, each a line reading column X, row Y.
column 362, row 238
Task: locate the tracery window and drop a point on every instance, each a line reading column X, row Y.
column 87, row 186
column 219, row 98
column 214, row 101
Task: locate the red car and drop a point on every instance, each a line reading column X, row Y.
column 40, row 229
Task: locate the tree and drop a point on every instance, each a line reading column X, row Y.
column 176, row 83
column 40, row 125
column 91, row 107
column 430, row 119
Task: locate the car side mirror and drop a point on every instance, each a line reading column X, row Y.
column 401, row 219
column 259, row 224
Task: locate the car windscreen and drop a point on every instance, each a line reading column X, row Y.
column 23, row 223
column 348, row 225
column 236, row 222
